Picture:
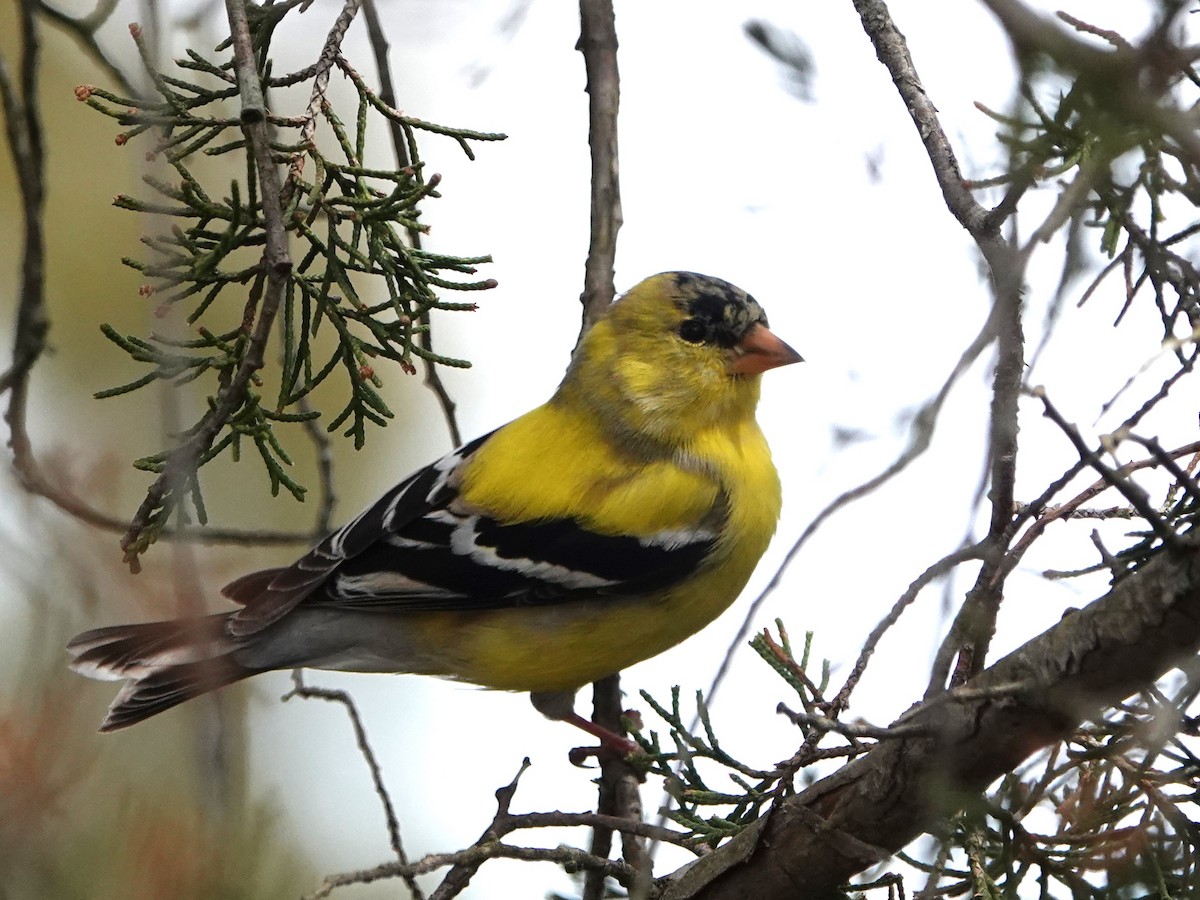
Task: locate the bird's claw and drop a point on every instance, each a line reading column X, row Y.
column 610, row 747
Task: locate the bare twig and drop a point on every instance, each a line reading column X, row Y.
column 83, row 30
column 940, row 568
column 465, row 863
column 462, row 871
column 849, row 729
column 892, row 51
column 971, row 633
column 1130, row 491
column 24, row 132
column 1183, row 480
column 305, row 692
column 319, row 438
column 920, row 437
column 474, row 856
column 1043, row 514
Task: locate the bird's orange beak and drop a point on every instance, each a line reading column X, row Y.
column 760, row 350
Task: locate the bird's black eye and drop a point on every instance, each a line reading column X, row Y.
column 693, row 331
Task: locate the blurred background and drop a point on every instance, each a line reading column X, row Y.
column 813, row 195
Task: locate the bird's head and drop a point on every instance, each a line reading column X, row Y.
column 677, row 353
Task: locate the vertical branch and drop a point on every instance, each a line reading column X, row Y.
column 618, row 797
column 24, row 132
column 971, row 633
column 598, row 43
column 321, row 443
column 275, row 267
column 387, row 93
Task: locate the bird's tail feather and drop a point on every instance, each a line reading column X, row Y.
column 166, row 663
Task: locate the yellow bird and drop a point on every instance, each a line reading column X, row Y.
column 591, row 533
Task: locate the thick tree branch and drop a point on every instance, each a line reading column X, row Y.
column 1147, row 624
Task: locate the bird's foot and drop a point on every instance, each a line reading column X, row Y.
column 611, row 743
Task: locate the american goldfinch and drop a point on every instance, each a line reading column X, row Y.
column 594, row 532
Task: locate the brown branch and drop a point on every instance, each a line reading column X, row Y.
column 940, row 568
column 598, row 43
column 892, row 51
column 323, row 448
column 1130, row 491
column 325, row 62
column 970, row 636
column 83, row 30
column 971, row 633
column 387, row 93
column 305, row 692
column 462, row 870
column 23, row 126
column 619, row 800
column 860, row 815
column 465, row 863
column 474, row 856
column 852, row 730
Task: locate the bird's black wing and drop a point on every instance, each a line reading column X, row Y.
column 416, row 549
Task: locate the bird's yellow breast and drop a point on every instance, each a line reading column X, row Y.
column 554, row 462
column 721, row 472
